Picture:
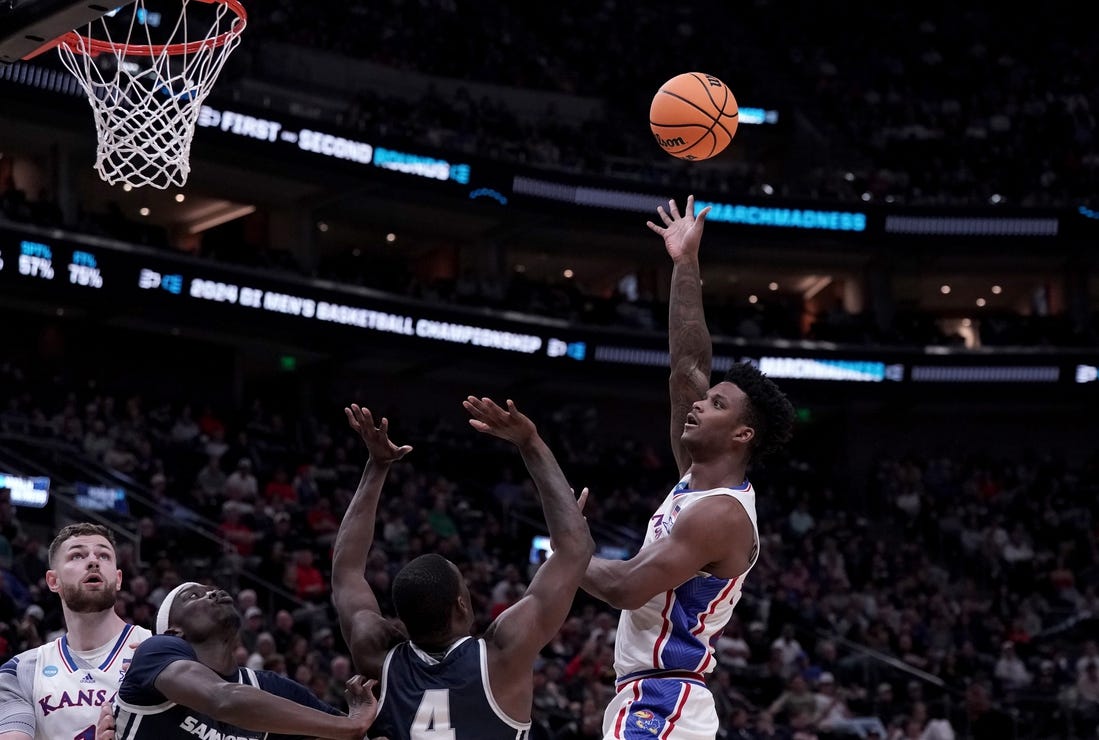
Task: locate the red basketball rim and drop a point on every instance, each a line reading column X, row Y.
column 93, row 47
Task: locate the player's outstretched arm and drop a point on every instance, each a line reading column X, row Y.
column 698, row 542
column 192, row 684
column 368, row 634
column 528, row 625
column 689, row 343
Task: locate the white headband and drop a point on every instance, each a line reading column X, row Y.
column 166, row 607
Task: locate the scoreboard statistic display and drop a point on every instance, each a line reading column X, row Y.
column 63, row 268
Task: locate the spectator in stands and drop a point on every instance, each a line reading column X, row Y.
column 507, row 493
column 151, row 536
column 1010, row 670
column 279, row 488
column 322, row 521
column 833, row 714
column 211, row 479
column 30, row 565
column 788, row 645
column 283, row 631
column 797, row 704
column 886, row 707
column 1089, row 659
column 985, row 721
column 30, row 630
column 305, row 485
column 241, row 485
column 801, row 521
column 765, row 729
column 263, row 651
column 731, row 649
column 310, row 584
column 235, row 528
column 9, row 524
column 252, row 627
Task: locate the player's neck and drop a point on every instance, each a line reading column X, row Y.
column 91, row 630
column 718, row 473
column 217, row 653
column 439, row 647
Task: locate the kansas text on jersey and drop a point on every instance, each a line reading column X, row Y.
column 52, row 692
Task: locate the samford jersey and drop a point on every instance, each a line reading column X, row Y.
column 452, row 696
column 50, row 692
column 143, row 713
column 674, row 630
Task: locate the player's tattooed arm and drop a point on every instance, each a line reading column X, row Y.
column 689, row 343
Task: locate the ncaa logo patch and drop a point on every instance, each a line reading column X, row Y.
column 50, row 670
column 645, row 720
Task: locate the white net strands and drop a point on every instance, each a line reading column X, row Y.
column 146, row 93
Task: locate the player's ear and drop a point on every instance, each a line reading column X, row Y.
column 51, row 580
column 174, row 632
column 744, row 435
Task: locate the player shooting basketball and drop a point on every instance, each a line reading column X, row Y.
column 680, row 589
column 437, row 678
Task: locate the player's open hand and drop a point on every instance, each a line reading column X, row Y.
column 376, row 438
column 361, row 704
column 682, row 234
column 489, row 418
column 104, row 729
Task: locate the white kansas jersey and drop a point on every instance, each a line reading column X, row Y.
column 674, row 630
column 53, row 693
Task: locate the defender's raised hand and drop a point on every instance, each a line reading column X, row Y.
column 376, row 438
column 489, row 418
column 682, row 234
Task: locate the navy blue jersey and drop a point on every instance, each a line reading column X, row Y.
column 422, row 695
column 143, row 713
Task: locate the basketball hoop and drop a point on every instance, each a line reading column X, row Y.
column 146, row 97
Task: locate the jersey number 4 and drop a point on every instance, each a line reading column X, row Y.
column 432, row 720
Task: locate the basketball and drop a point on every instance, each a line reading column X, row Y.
column 694, row 116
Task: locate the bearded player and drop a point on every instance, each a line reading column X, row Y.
column 53, row 692
column 679, row 591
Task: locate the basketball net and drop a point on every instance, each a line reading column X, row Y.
column 146, row 97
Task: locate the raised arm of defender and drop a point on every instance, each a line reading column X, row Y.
column 369, row 635
column 689, row 345
column 526, row 627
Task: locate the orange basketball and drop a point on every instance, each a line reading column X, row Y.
column 694, row 116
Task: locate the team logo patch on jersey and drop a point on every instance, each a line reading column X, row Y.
column 645, row 720
column 50, row 670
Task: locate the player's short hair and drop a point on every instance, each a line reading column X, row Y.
column 424, row 593
column 769, row 412
column 80, row 529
